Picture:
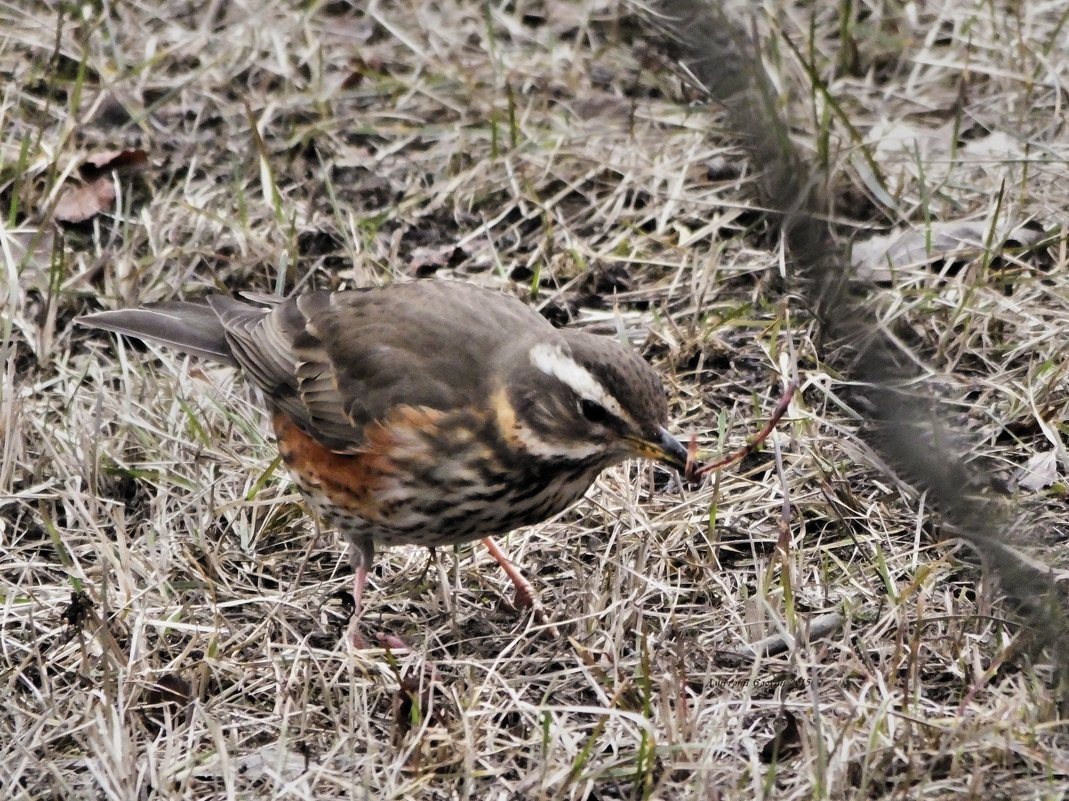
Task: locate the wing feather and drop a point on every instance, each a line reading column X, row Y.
column 335, row 363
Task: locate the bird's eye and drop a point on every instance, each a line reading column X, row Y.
column 593, row 412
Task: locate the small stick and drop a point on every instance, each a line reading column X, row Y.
column 818, row 628
column 693, row 472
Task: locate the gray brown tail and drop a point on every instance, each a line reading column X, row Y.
column 192, row 328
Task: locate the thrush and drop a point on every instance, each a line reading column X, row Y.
column 427, row 413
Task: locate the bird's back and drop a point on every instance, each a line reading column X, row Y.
column 336, row 362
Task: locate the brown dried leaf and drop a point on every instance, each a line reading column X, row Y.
column 77, row 611
column 83, row 202
column 117, row 159
column 169, row 689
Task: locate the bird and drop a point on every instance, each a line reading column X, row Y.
column 427, row 413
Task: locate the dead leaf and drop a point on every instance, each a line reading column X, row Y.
column 76, row 613
column 879, row 258
column 165, row 700
column 83, row 202
column 117, row 159
column 1039, row 472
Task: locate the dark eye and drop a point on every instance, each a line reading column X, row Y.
column 594, row 412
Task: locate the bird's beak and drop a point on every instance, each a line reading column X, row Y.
column 663, row 448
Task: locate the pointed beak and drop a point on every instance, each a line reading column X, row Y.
column 663, row 448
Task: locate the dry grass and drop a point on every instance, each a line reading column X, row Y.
column 169, row 619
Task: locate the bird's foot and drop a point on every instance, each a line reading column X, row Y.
column 383, row 639
column 525, row 598
column 391, row 641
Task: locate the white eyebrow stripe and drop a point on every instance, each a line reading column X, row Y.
column 552, row 360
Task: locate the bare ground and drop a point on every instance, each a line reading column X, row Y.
column 170, row 617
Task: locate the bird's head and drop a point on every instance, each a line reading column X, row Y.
column 585, row 398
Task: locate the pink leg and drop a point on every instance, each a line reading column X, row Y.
column 361, row 558
column 525, row 597
column 525, row 594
